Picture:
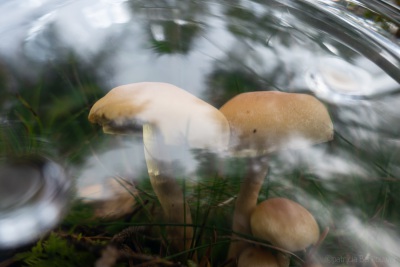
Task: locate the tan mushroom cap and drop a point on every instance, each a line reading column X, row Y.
column 178, row 115
column 259, row 257
column 267, row 121
column 285, row 224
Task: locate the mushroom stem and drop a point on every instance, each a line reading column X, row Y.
column 167, row 189
column 246, row 201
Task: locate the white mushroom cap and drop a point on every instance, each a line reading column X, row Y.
column 259, row 257
column 285, row 224
column 179, row 116
column 267, row 121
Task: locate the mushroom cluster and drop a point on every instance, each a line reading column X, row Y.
column 250, row 125
column 266, row 122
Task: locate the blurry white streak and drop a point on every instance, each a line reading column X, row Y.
column 381, row 82
column 383, row 243
column 181, row 22
column 32, row 3
column 325, row 165
column 40, row 25
column 125, row 161
column 38, row 44
column 225, row 202
column 42, row 5
column 120, row 13
column 75, row 31
column 384, row 83
column 105, row 14
column 367, row 118
column 16, row 20
column 322, row 212
column 174, row 69
column 98, row 16
column 255, row 8
column 10, row 231
column 331, row 48
column 117, row 2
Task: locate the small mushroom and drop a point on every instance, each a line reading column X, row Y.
column 266, row 122
column 170, row 118
column 285, row 224
column 261, row 257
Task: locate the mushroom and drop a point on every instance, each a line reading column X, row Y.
column 170, row 118
column 285, row 224
column 260, row 257
column 265, row 122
